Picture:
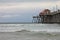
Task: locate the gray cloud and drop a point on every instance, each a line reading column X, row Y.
column 12, row 11
column 27, row 0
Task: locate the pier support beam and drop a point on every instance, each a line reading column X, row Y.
column 36, row 19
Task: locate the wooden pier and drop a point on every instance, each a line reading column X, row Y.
column 47, row 17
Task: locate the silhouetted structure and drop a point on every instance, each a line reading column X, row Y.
column 46, row 16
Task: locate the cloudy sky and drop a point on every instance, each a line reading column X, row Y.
column 23, row 10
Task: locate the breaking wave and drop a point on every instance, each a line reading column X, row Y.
column 29, row 28
column 23, row 30
column 37, row 33
column 40, row 31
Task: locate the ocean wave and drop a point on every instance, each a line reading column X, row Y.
column 41, row 31
column 45, row 34
column 26, row 30
column 48, row 28
column 23, row 30
column 35, row 33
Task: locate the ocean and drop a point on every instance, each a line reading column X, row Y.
column 29, row 31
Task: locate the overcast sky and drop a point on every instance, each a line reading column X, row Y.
column 23, row 10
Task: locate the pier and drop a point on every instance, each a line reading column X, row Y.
column 46, row 16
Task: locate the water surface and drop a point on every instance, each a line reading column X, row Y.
column 29, row 31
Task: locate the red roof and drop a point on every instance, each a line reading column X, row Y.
column 44, row 11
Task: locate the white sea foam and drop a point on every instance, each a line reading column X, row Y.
column 30, row 27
